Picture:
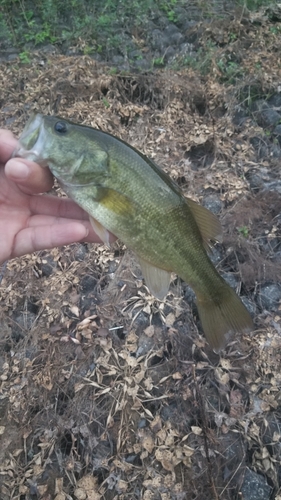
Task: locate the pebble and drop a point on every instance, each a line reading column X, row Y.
column 80, row 252
column 88, row 283
column 47, row 266
column 255, row 487
column 213, row 203
column 264, row 114
column 270, row 296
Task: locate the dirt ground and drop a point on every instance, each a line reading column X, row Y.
column 107, row 393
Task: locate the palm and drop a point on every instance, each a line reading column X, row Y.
column 31, row 221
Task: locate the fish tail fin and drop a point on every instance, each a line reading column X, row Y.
column 223, row 315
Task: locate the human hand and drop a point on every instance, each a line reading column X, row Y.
column 30, row 221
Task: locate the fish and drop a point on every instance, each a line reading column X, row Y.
column 125, row 193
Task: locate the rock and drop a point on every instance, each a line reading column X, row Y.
column 270, row 428
column 265, row 148
column 216, row 255
column 49, row 49
column 47, row 266
column 275, row 101
column 117, row 60
column 233, row 451
column 169, row 411
column 277, row 133
column 273, row 186
column 171, row 29
column 231, row 279
column 23, row 321
column 270, row 296
column 275, row 151
column 80, row 252
column 240, row 117
column 12, row 57
column 142, row 64
column 213, row 203
column 133, row 459
column 173, row 34
column 257, row 178
column 264, row 115
column 189, row 294
column 112, row 266
column 142, row 423
column 250, row 305
column 255, row 487
column 8, row 54
column 145, row 344
column 260, row 146
column 158, row 40
column 135, row 54
column 169, row 54
column 187, row 49
column 88, row 283
column 96, row 56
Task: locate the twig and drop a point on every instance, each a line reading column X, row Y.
column 204, row 429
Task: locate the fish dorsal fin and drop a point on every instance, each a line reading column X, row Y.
column 208, row 224
column 102, row 233
column 157, row 280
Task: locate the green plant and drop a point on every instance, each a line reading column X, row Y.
column 168, row 6
column 244, row 231
column 158, row 61
column 4, row 29
column 105, row 102
column 253, row 4
column 230, row 70
column 232, row 37
column 24, row 57
column 94, row 22
column 104, row 20
column 87, row 50
column 275, row 30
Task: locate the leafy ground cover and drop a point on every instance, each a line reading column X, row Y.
column 107, row 393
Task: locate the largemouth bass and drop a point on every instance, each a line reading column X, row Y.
column 126, row 193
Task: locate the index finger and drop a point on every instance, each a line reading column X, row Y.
column 8, row 143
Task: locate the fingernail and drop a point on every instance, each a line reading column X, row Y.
column 17, row 170
column 84, row 231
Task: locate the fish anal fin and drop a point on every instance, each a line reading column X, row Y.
column 157, row 280
column 208, row 224
column 100, row 230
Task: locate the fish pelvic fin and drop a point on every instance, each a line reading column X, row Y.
column 221, row 316
column 157, row 280
column 100, row 230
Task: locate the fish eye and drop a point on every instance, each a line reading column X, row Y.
column 61, row 127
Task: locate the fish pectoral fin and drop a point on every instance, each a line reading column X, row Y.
column 208, row 224
column 116, row 202
column 157, row 280
column 100, row 230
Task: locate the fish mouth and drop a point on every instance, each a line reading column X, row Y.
column 31, row 141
